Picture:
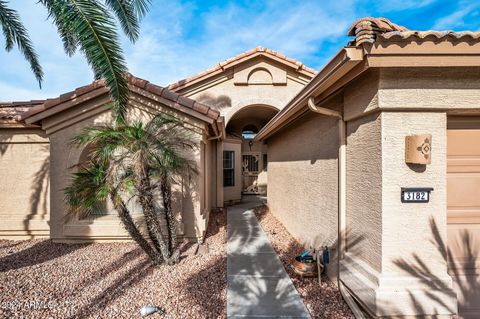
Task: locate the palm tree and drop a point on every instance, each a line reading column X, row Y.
column 87, row 25
column 135, row 161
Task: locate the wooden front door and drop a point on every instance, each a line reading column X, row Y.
column 250, row 170
column 463, row 211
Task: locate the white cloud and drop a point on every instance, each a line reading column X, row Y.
column 178, row 40
column 166, row 54
column 181, row 38
column 457, row 18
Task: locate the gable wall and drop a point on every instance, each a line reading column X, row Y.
column 231, row 91
column 188, row 200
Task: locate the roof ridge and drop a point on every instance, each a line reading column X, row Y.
column 221, row 65
column 366, row 29
column 20, row 103
column 369, row 29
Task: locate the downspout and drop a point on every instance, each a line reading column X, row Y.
column 341, row 243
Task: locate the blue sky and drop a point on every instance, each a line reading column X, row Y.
column 180, row 38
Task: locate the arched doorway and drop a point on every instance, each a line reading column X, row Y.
column 243, row 127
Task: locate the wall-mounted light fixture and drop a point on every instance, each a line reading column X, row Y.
column 418, row 149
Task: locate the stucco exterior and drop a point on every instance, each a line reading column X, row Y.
column 25, row 186
column 395, row 255
column 260, row 84
column 396, row 258
column 310, row 166
column 364, row 208
column 189, row 198
column 303, row 179
column 260, row 80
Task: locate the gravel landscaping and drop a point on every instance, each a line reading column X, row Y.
column 322, row 300
column 41, row 279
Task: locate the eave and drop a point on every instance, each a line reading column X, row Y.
column 340, row 65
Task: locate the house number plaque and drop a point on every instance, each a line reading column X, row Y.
column 415, row 194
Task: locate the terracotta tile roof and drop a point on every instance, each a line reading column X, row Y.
column 9, row 111
column 431, row 33
column 174, row 97
column 255, row 51
column 367, row 30
column 99, row 85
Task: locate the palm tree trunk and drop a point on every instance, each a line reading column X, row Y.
column 132, row 228
column 145, row 196
column 166, row 189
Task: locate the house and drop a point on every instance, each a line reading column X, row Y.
column 233, row 98
column 376, row 155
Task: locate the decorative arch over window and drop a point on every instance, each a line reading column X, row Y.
column 260, row 76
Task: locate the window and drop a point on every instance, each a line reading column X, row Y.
column 249, row 132
column 265, row 162
column 228, row 168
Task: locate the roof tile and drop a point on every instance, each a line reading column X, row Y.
column 155, row 89
column 170, row 95
column 368, row 30
column 213, row 113
column 185, row 101
column 240, row 56
column 199, row 107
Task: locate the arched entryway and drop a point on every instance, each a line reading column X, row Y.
column 242, row 128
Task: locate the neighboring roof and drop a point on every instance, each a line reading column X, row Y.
column 180, row 102
column 258, row 51
column 10, row 111
column 368, row 30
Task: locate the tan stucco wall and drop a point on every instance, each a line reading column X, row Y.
column 303, row 179
column 395, row 259
column 256, row 82
column 454, row 89
column 189, row 197
column 398, row 267
column 24, row 186
column 364, row 190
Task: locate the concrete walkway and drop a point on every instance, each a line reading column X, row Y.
column 258, row 285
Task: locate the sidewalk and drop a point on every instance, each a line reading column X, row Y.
column 258, row 285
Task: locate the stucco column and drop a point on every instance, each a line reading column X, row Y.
column 219, row 174
column 409, row 274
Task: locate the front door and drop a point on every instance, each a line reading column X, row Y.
column 463, row 211
column 250, row 170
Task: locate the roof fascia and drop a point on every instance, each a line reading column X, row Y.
column 172, row 104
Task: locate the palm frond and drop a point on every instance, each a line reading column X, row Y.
column 64, row 26
column 88, row 191
column 15, row 33
column 98, row 39
column 141, row 7
column 125, row 12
